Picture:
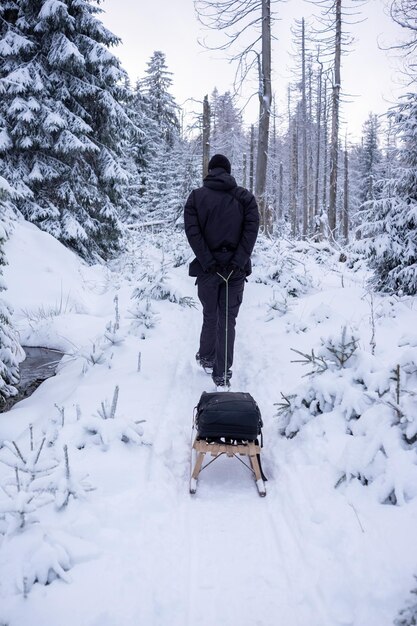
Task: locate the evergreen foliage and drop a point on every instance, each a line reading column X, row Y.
column 227, row 133
column 168, row 167
column 370, row 404
column 408, row 615
column 171, row 175
column 366, row 162
column 10, row 351
column 63, row 120
column 390, row 225
column 161, row 105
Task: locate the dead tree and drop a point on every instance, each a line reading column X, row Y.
column 334, row 135
column 251, row 157
column 304, row 130
column 236, row 18
column 265, row 98
column 345, row 223
column 334, row 18
column 206, row 135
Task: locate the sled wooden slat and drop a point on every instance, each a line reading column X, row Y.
column 250, row 450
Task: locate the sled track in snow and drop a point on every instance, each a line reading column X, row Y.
column 177, row 395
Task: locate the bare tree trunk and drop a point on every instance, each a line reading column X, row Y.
column 275, row 182
column 325, row 156
column 251, row 158
column 310, row 143
column 294, row 179
column 346, row 199
column 289, row 155
column 280, row 189
column 265, row 96
column 334, row 143
column 304, row 132
column 245, row 167
column 318, row 146
column 206, row 135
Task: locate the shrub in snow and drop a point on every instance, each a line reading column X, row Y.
column 276, row 265
column 38, row 472
column 98, row 352
column 32, row 556
column 32, row 462
column 155, row 285
column 174, row 245
column 93, row 356
column 144, row 317
column 20, row 502
column 106, row 426
column 113, row 334
column 27, row 553
column 277, row 306
column 408, row 615
column 371, row 407
column 64, row 483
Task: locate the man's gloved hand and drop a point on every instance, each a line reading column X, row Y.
column 213, row 268
column 232, row 267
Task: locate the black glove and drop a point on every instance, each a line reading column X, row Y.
column 233, row 268
column 213, row 269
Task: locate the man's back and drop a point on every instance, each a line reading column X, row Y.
column 221, row 223
column 225, row 216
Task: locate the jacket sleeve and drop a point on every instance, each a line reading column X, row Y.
column 249, row 230
column 195, row 235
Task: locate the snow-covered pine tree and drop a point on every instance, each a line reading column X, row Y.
column 390, row 224
column 62, row 93
column 136, row 153
column 366, row 169
column 170, row 168
column 227, row 134
column 11, row 352
column 369, row 159
column 161, row 104
column 172, row 174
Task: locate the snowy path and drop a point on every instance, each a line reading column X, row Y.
column 224, row 555
column 146, row 552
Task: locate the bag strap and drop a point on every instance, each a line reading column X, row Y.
column 232, row 193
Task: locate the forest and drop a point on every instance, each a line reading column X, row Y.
column 104, row 166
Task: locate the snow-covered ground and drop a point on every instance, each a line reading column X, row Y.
column 133, row 547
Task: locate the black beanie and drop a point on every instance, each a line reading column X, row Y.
column 219, row 160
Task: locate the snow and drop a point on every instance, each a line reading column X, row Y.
column 132, row 546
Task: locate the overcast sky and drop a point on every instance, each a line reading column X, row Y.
column 369, row 75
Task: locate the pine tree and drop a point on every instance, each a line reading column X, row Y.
column 136, row 153
column 174, row 171
column 10, row 351
column 161, row 104
column 390, row 225
column 369, row 159
column 64, row 120
column 170, row 171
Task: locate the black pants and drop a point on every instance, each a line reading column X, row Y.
column 212, row 295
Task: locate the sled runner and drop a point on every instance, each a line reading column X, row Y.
column 227, row 423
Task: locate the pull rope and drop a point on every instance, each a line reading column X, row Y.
column 226, row 280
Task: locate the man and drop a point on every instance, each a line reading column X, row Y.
column 221, row 223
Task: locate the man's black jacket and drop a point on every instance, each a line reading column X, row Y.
column 221, row 223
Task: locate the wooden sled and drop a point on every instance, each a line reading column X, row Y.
column 250, row 449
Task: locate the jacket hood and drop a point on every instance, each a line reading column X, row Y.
column 219, row 179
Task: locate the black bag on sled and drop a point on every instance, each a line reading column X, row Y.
column 228, row 414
